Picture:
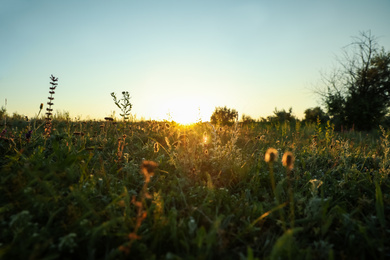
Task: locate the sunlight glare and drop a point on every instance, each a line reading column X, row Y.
column 188, row 111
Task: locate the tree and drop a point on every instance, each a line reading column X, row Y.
column 224, row 116
column 358, row 93
column 282, row 115
column 247, row 119
column 311, row 115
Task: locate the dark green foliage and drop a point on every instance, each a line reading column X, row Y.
column 3, row 112
column 312, row 114
column 73, row 196
column 282, row 116
column 224, row 116
column 358, row 96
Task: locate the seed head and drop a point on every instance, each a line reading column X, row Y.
column 288, row 160
column 271, row 155
column 156, row 147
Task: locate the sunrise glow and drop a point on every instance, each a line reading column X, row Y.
column 185, row 110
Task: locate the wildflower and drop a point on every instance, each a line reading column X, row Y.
column 271, row 155
column 167, row 126
column 206, row 152
column 41, row 106
column 288, row 160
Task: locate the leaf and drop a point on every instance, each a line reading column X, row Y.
column 284, row 243
column 380, row 211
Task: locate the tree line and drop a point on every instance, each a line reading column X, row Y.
column 355, row 95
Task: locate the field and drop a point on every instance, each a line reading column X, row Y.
column 159, row 190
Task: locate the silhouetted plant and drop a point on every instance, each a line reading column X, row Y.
column 123, row 104
column 49, row 110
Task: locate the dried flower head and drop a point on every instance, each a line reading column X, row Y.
column 271, row 155
column 149, row 166
column 156, row 147
column 109, row 118
column 288, row 160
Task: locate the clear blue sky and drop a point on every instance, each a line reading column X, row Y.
column 178, row 57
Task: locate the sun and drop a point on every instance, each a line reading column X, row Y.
column 187, row 111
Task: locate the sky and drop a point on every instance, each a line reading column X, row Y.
column 178, row 59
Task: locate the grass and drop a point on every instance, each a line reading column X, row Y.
column 90, row 190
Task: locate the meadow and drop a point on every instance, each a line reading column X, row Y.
column 159, row 190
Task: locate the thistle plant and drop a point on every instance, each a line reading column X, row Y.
column 123, row 104
column 49, row 110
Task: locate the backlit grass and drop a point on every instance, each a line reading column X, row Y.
column 91, row 190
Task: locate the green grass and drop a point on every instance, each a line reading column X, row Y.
column 80, row 193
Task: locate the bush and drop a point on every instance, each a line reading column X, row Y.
column 224, row 116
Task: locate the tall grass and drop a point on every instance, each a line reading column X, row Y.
column 82, row 192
